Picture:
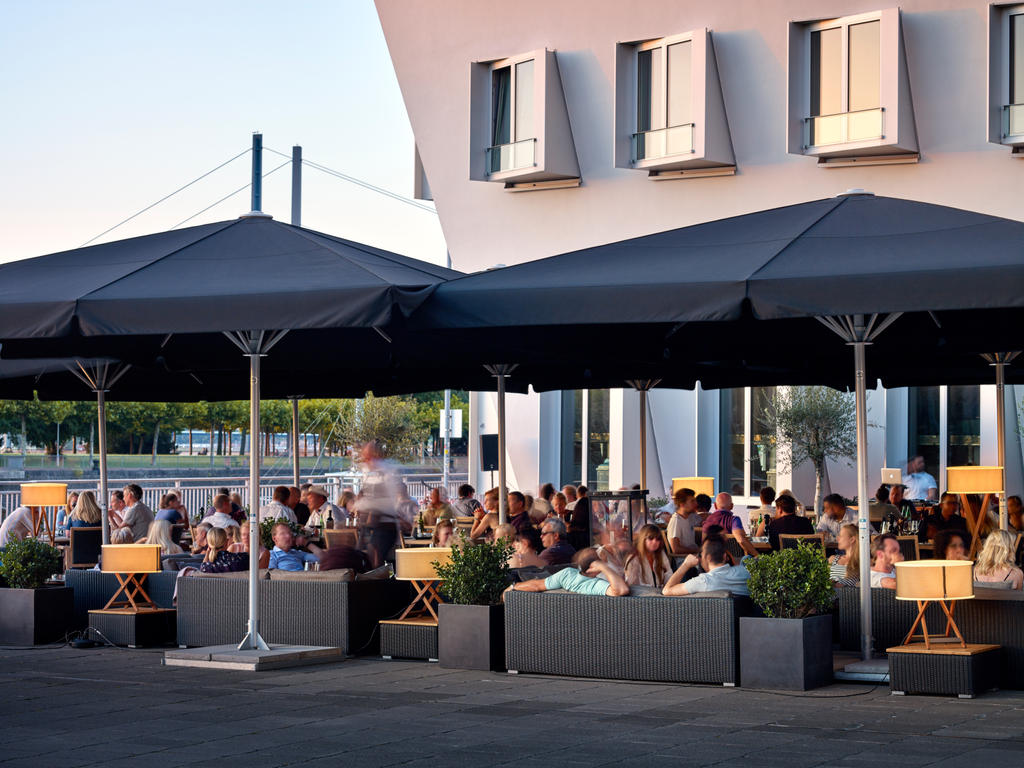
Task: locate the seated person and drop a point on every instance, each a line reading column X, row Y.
column 16, row 526
column 837, row 514
column 885, row 553
column 844, row 566
column 160, row 533
column 221, row 517
column 465, row 505
column 242, row 545
column 506, row 533
column 486, row 517
column 996, row 564
column 343, row 556
column 730, row 523
column 683, row 523
column 218, row 559
column 649, row 564
column 557, row 550
column 122, row 536
column 786, row 520
column 718, row 573
column 558, row 506
column 518, row 516
column 951, row 544
column 616, row 553
column 582, row 579
column 946, row 518
column 277, row 508
column 171, row 509
column 87, row 513
column 284, row 556
column 199, row 545
column 704, row 505
column 525, row 547
column 437, row 508
column 444, row 534
column 1015, row 513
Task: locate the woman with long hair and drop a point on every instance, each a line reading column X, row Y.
column 444, row 534
column 218, row 559
column 648, row 564
column 160, row 533
column 844, row 566
column 951, row 544
column 86, row 513
column 996, row 564
column 242, row 544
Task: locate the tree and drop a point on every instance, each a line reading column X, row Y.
column 391, row 421
column 813, row 424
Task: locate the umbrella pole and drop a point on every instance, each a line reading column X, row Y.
column 999, row 360
column 502, row 500
column 252, row 640
column 295, row 442
column 101, row 431
column 863, row 520
column 643, row 438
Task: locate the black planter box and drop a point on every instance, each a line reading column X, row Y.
column 786, row 654
column 35, row 616
column 471, row 636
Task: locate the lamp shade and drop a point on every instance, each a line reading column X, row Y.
column 935, row 580
column 417, row 563
column 974, row 479
column 697, row 484
column 44, row 494
column 130, row 558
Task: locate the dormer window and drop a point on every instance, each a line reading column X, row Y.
column 1006, row 76
column 849, row 97
column 519, row 124
column 669, row 111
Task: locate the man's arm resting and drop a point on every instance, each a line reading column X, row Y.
column 744, row 542
column 674, row 585
column 532, row 585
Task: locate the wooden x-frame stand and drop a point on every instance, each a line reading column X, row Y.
column 131, row 587
column 41, row 523
column 950, row 625
column 427, row 595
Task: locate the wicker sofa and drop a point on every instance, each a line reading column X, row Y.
column 693, row 639
column 93, row 589
column 995, row 616
column 295, row 609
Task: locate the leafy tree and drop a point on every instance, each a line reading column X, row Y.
column 813, row 424
column 391, row 421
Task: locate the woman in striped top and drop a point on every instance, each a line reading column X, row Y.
column 844, row 567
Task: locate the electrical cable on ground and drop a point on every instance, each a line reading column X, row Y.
column 166, row 197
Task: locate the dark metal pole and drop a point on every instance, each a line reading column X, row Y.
column 297, row 186
column 257, row 172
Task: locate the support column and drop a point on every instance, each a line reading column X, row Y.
column 295, row 442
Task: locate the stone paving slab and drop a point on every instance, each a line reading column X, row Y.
column 70, row 708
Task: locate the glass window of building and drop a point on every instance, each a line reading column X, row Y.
column 923, row 428
column 963, row 426
column 598, row 416
column 1015, row 107
column 664, row 119
column 572, row 437
column 513, row 130
column 747, row 448
column 845, row 87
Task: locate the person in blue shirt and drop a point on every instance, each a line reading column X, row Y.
column 718, row 572
column 284, row 556
column 583, row 579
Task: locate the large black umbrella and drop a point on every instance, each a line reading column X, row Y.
column 177, row 302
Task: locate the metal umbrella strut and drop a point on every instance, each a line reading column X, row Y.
column 501, row 372
column 999, row 360
column 643, row 386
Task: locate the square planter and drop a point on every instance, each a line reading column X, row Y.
column 35, row 616
column 786, row 654
column 471, row 636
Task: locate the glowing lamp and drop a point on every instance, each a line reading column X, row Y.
column 697, row 484
column 980, row 480
column 44, row 494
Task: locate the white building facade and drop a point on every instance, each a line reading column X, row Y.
column 545, row 127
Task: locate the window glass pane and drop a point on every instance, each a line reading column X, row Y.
column 1017, row 59
column 963, row 426
column 572, row 437
column 731, row 439
column 923, row 426
column 826, row 71
column 679, row 97
column 864, row 66
column 524, row 101
column 501, row 95
column 762, row 439
column 597, row 422
column 650, row 104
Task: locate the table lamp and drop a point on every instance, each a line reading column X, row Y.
column 41, row 496
column 940, row 581
column 980, row 480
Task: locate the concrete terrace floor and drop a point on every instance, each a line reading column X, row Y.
column 63, row 708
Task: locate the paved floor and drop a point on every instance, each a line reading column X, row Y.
column 65, row 708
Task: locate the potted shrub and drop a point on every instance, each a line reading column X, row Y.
column 791, row 646
column 30, row 613
column 471, row 624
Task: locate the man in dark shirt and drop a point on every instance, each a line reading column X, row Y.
column 947, row 518
column 786, row 521
column 517, row 516
column 556, row 549
column 579, row 520
column 298, row 506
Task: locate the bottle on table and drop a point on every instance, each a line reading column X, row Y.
column 329, row 525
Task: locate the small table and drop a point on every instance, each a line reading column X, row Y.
column 944, row 669
column 130, row 563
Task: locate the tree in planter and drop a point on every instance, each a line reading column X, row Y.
column 477, row 574
column 791, row 583
column 28, row 563
column 813, row 424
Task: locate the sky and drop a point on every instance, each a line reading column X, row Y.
column 111, row 105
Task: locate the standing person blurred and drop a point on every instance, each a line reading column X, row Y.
column 379, row 494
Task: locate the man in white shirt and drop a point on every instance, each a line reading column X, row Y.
column 836, row 516
column 17, row 526
column 278, row 508
column 684, row 521
column 885, row 553
column 136, row 514
column 320, row 508
column 920, row 484
column 221, row 517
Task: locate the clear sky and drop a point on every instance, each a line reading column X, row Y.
column 109, row 105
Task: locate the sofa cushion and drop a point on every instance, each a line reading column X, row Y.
column 230, row 575
column 340, row 574
column 377, row 574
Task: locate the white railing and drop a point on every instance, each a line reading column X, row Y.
column 196, row 493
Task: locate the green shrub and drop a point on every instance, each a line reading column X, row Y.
column 267, row 526
column 477, row 573
column 28, row 563
column 791, row 583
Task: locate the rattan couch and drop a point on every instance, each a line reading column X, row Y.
column 994, row 616
column 692, row 639
column 93, row 589
column 337, row 614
